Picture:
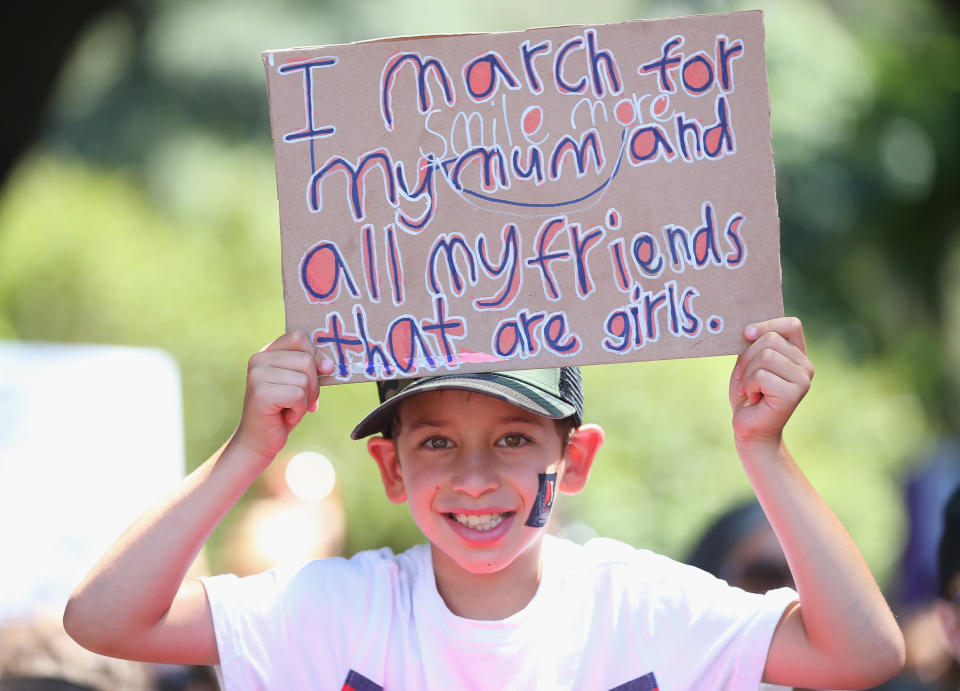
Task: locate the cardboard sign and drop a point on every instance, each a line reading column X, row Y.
column 570, row 195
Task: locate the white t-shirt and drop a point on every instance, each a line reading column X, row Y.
column 605, row 616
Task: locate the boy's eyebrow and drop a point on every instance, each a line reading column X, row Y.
column 520, row 418
column 424, row 422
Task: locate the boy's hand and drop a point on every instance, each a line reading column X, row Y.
column 282, row 386
column 770, row 378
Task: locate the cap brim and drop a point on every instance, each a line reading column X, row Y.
column 518, row 393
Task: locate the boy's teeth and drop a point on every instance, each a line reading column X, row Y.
column 484, row 521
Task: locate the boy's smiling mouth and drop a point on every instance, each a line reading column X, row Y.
column 481, row 522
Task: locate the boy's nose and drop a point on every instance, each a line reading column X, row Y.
column 474, row 474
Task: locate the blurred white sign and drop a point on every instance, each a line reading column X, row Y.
column 89, row 437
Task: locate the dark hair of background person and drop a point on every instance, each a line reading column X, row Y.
column 948, row 563
column 741, row 548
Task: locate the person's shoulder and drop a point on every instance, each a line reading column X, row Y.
column 598, row 554
column 374, row 564
column 600, row 550
column 337, row 582
column 348, row 573
column 606, row 556
column 613, row 572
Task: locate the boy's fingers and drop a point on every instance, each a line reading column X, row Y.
column 790, row 328
column 289, row 359
column 772, row 353
column 292, row 340
column 281, row 399
column 771, row 340
column 263, row 364
column 292, row 418
column 753, row 378
column 281, row 376
column 294, row 350
column 771, row 376
column 775, row 363
column 784, row 334
column 325, row 365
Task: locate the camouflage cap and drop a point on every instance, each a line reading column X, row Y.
column 554, row 393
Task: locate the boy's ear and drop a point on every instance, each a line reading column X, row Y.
column 384, row 452
column 582, row 448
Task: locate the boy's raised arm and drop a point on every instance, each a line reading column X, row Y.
column 135, row 602
column 842, row 633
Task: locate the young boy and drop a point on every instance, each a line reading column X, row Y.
column 491, row 602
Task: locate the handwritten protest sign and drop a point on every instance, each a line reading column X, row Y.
column 570, row 195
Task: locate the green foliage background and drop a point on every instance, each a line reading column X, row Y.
column 147, row 215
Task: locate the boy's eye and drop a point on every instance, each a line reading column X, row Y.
column 513, row 440
column 437, row 443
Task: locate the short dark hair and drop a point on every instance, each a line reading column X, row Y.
column 948, row 562
column 724, row 533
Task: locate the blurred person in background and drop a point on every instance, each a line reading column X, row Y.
column 741, row 548
column 948, row 605
column 36, row 654
column 921, row 589
column 933, row 629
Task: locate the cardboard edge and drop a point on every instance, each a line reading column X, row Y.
column 773, row 167
column 268, row 66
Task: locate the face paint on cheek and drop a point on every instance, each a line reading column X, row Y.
column 544, row 501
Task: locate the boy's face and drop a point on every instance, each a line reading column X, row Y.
column 475, row 471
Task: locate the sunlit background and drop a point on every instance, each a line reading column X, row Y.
column 139, row 208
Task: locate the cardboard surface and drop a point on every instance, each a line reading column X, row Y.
column 569, row 195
